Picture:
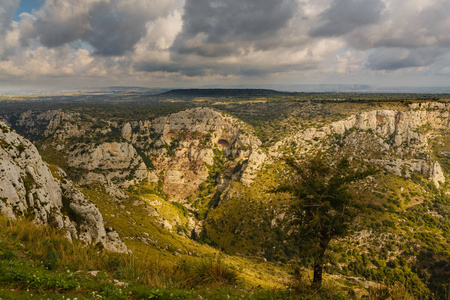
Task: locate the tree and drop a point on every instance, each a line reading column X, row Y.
column 324, row 207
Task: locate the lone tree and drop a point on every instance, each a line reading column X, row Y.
column 324, row 208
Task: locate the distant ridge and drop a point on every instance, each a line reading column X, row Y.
column 222, row 92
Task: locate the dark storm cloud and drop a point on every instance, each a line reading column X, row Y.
column 111, row 27
column 343, row 16
column 190, row 69
column 223, row 27
column 194, row 68
column 395, row 58
column 53, row 34
column 7, row 11
column 113, row 32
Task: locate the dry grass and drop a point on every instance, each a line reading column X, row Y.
column 389, row 292
column 206, row 272
column 45, row 243
column 49, row 246
column 147, row 270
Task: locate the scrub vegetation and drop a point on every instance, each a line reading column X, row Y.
column 252, row 243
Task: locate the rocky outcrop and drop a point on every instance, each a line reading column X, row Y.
column 224, row 130
column 28, row 188
column 124, row 154
column 401, row 145
column 91, row 229
column 252, row 166
column 118, row 162
column 38, row 125
column 181, row 146
column 127, row 131
column 404, row 167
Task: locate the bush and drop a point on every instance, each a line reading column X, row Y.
column 51, row 259
column 207, row 272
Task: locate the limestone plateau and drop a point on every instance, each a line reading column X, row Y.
column 190, row 170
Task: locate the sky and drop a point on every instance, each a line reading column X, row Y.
column 192, row 43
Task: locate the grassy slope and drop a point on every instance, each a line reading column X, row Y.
column 39, row 263
column 406, row 221
column 143, row 235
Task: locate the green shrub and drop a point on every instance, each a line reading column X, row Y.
column 51, row 259
column 8, row 255
column 112, row 292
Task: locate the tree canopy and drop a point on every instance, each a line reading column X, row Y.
column 324, row 207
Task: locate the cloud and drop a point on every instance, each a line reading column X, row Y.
column 7, row 11
column 8, row 34
column 111, row 27
column 113, row 32
column 420, row 23
column 397, row 58
column 344, row 16
column 227, row 27
column 237, row 38
column 252, row 64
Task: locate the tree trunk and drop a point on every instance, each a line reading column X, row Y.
column 318, row 262
column 318, row 267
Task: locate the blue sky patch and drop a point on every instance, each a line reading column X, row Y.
column 27, row 6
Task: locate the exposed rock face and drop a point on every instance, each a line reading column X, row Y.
column 224, row 130
column 175, row 177
column 399, row 167
column 253, row 165
column 178, row 152
column 152, row 177
column 127, row 131
column 107, row 155
column 400, row 145
column 181, row 146
column 90, row 221
column 120, row 159
column 37, row 125
column 27, row 188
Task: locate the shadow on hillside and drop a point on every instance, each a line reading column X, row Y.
column 436, row 268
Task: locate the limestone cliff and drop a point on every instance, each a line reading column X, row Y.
column 182, row 145
column 91, row 229
column 176, row 149
column 28, row 188
column 37, row 125
column 392, row 139
column 124, row 165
